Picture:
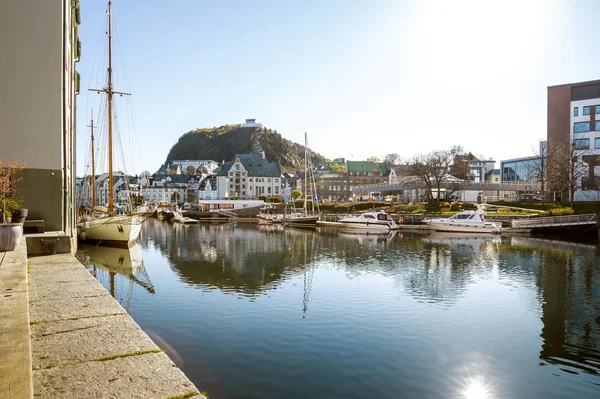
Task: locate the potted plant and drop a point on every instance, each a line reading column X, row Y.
column 10, row 233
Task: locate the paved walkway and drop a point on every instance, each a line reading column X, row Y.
column 85, row 345
column 15, row 350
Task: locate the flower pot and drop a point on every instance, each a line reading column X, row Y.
column 10, row 236
column 19, row 216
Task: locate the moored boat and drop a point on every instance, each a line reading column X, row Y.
column 465, row 222
column 370, row 221
column 110, row 228
column 179, row 218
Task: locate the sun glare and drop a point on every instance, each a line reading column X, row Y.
column 475, row 389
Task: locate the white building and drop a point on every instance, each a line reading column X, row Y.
column 574, row 117
column 249, row 176
column 251, row 123
column 206, row 165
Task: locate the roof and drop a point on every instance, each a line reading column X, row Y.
column 332, row 176
column 178, row 178
column 255, row 165
column 366, row 166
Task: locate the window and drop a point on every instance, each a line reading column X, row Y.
column 581, row 127
column 582, row 144
column 576, row 111
column 597, row 142
column 586, row 110
column 597, row 127
column 597, row 109
column 269, row 190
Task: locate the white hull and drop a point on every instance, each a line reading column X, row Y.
column 368, row 227
column 120, row 231
column 447, row 226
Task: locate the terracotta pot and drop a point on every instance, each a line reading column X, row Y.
column 10, row 236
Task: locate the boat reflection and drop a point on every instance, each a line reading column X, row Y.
column 462, row 241
column 112, row 262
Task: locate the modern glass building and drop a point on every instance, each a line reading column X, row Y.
column 520, row 169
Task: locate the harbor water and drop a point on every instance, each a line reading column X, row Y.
column 268, row 312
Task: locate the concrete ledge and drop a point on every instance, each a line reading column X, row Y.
column 49, row 243
column 85, row 345
column 15, row 344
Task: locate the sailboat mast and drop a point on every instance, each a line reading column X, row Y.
column 305, row 174
column 93, row 169
column 109, row 93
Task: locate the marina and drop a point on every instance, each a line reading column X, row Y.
column 367, row 314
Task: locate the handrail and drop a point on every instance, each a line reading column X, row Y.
column 555, row 221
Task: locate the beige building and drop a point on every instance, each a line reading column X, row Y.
column 40, row 48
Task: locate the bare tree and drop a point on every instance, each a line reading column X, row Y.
column 191, row 170
column 566, row 169
column 419, row 168
column 373, row 159
column 433, row 167
column 392, row 159
column 538, row 170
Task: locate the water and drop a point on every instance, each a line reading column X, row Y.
column 270, row 313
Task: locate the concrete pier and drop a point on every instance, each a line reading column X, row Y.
column 83, row 343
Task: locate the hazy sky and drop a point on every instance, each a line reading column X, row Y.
column 362, row 78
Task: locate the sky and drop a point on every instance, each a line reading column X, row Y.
column 362, row 78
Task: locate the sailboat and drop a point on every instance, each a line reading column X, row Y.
column 107, row 228
column 308, row 216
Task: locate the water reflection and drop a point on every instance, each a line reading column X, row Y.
column 405, row 305
column 110, row 264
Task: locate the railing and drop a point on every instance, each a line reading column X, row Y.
column 555, row 221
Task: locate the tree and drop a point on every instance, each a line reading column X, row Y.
column 175, row 197
column 8, row 183
column 373, row 159
column 566, row 168
column 538, row 170
column 392, row 159
column 296, row 194
column 433, row 167
column 191, row 170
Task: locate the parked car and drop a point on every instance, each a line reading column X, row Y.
column 528, row 198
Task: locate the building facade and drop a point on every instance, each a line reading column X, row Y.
column 40, row 48
column 520, row 169
column 249, row 176
column 574, row 118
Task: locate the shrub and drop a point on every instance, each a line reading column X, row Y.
column 560, row 211
column 275, row 199
column 432, row 207
column 262, row 198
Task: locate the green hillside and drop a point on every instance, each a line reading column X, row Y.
column 222, row 143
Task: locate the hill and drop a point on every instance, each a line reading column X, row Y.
column 222, row 143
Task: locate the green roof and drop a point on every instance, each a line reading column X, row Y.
column 366, row 166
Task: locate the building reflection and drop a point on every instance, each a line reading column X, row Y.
column 568, row 278
column 434, row 269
